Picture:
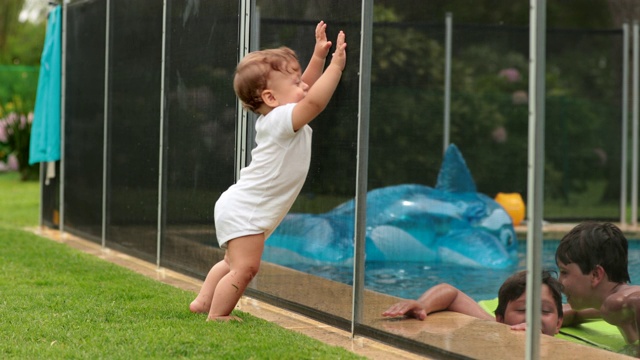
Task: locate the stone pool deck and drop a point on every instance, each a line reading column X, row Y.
column 459, row 336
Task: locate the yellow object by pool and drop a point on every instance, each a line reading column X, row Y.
column 513, row 205
column 595, row 333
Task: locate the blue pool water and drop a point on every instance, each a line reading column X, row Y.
column 410, row 280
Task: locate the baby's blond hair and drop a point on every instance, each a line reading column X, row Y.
column 253, row 72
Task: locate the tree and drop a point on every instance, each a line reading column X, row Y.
column 9, row 11
column 590, row 14
column 21, row 42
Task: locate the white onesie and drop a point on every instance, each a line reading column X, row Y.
column 267, row 188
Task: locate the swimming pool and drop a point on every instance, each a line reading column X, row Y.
column 410, row 280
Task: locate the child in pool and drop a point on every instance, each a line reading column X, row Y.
column 269, row 83
column 592, row 259
column 511, row 303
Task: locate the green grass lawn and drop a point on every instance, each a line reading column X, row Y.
column 59, row 303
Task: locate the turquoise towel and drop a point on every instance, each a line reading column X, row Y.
column 45, row 130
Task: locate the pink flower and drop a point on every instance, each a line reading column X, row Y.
column 3, row 131
column 11, row 118
column 520, row 97
column 511, row 74
column 499, row 134
column 12, row 162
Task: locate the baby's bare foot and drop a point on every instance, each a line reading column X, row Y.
column 198, row 307
column 224, row 318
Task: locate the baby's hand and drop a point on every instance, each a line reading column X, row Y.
column 339, row 57
column 322, row 44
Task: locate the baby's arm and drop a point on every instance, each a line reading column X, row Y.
column 320, row 93
column 438, row 298
column 320, row 52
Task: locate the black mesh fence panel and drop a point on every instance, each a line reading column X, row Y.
column 134, row 126
column 489, row 112
column 583, row 126
column 84, row 118
column 331, row 179
column 200, row 129
column 489, row 124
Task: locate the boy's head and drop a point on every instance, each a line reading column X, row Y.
column 253, row 72
column 512, row 300
column 592, row 244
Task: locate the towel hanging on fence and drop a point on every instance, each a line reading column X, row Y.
column 45, row 130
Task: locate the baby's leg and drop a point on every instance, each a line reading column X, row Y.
column 244, row 254
column 202, row 303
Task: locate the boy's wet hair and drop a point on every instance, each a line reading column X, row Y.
column 516, row 285
column 590, row 244
column 252, row 73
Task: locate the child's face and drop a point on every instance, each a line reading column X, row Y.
column 515, row 313
column 577, row 286
column 287, row 87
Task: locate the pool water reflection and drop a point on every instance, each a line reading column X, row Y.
column 410, row 280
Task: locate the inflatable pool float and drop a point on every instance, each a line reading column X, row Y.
column 452, row 223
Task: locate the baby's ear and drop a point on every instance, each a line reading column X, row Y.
column 268, row 98
column 500, row 319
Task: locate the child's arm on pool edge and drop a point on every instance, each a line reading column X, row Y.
column 438, row 298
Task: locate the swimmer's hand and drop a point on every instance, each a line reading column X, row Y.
column 409, row 308
column 521, row 327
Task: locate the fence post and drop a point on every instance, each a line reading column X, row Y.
column 625, row 120
column 535, row 186
column 634, row 153
column 105, row 127
column 447, row 81
column 364, row 98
